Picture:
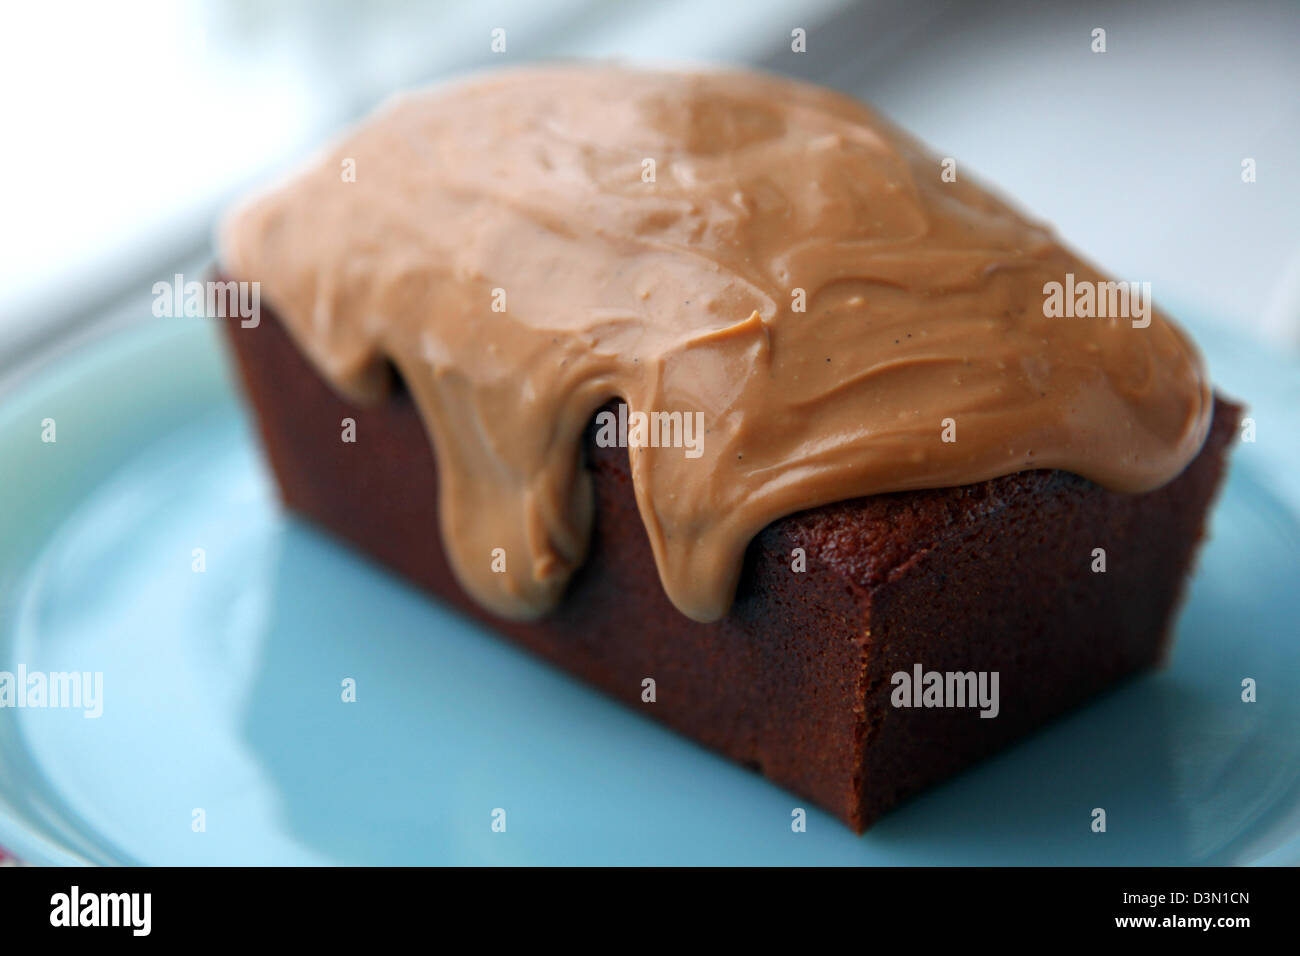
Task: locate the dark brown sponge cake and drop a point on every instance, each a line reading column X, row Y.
column 795, row 681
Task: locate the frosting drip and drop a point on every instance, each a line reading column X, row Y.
column 525, row 247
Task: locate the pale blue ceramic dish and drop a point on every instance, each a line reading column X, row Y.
column 221, row 689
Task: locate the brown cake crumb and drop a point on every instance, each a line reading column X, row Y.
column 795, row 681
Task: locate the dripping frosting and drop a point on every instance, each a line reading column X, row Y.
column 769, row 257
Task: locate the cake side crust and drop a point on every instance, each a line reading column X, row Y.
column 795, row 680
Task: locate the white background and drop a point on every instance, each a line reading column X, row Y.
column 127, row 127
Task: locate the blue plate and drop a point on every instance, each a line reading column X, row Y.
column 223, row 737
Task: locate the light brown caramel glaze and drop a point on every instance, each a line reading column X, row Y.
column 924, row 302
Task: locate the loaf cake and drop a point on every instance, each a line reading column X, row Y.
column 721, row 393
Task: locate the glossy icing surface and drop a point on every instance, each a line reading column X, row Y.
column 780, row 281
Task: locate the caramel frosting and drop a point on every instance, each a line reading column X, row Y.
column 770, row 259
